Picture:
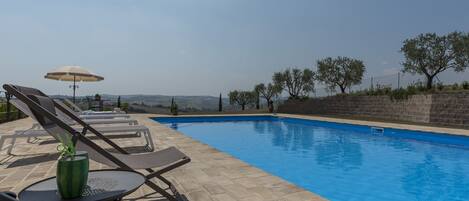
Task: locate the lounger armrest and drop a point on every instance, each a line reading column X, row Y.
column 8, row 196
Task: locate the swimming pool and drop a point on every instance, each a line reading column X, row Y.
column 341, row 161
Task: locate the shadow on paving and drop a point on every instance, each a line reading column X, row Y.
column 52, row 141
column 34, row 160
column 54, row 156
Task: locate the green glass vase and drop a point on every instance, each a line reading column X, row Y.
column 72, row 175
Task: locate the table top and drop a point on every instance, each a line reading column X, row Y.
column 102, row 185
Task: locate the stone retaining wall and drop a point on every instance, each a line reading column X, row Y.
column 445, row 109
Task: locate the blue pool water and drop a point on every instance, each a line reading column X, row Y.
column 341, row 161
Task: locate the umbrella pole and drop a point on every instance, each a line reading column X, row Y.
column 74, row 87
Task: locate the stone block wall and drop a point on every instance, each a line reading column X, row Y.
column 450, row 109
column 444, row 109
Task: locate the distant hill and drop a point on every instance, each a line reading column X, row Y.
column 196, row 103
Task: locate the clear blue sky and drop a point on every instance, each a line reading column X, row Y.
column 206, row 47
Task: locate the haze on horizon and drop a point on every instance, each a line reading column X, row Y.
column 207, row 47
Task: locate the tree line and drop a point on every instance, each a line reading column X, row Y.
column 341, row 72
column 427, row 54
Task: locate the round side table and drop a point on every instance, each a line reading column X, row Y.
column 102, row 185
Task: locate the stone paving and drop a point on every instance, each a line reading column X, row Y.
column 212, row 175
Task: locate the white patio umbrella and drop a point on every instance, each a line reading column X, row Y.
column 73, row 74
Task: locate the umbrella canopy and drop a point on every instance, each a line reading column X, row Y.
column 73, row 73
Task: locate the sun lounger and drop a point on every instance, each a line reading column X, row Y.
column 155, row 163
column 37, row 131
column 7, row 196
column 91, row 112
column 22, row 107
column 92, row 116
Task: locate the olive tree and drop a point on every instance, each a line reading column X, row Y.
column 268, row 92
column 342, row 72
column 242, row 98
column 298, row 83
column 430, row 54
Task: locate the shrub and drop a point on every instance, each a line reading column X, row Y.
column 399, row 94
column 412, row 89
column 420, row 87
column 125, row 107
column 174, row 110
column 304, row 98
column 465, row 85
column 440, row 86
column 387, row 90
column 379, row 90
column 97, row 97
column 455, row 86
column 174, row 107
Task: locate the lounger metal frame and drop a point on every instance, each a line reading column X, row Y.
column 36, row 131
column 80, row 136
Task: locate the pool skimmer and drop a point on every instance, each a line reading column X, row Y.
column 377, row 130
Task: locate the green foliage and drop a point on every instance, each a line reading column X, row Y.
column 242, row 98
column 268, row 92
column 125, row 107
column 66, row 148
column 298, row 83
column 97, row 97
column 119, row 102
column 174, row 107
column 400, row 94
column 220, row 106
column 465, row 85
column 430, row 54
column 14, row 113
column 342, row 72
column 379, row 90
column 420, row 87
column 257, row 100
column 413, row 89
column 440, row 86
column 455, row 86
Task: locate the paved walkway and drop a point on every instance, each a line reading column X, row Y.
column 212, row 175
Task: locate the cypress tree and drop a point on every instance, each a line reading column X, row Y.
column 171, row 108
column 257, row 101
column 220, row 106
column 119, row 102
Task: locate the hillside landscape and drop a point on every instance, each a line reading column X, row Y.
column 161, row 103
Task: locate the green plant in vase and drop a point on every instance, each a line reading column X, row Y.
column 72, row 170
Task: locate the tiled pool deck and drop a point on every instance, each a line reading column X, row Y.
column 212, row 175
